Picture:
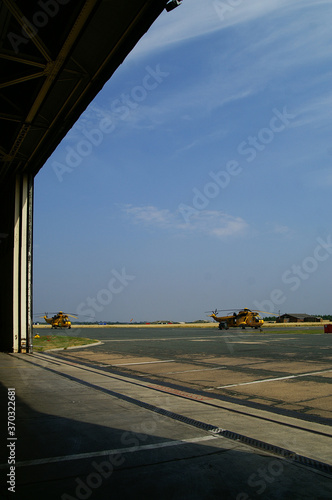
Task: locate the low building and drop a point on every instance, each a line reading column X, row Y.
column 298, row 318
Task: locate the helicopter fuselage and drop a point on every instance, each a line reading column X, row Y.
column 58, row 321
column 242, row 319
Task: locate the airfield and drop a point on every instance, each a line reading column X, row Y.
column 174, row 412
column 277, row 368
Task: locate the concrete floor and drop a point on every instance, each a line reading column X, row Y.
column 84, row 433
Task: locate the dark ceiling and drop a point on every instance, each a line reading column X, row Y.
column 55, row 56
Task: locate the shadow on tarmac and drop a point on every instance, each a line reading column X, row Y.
column 142, row 465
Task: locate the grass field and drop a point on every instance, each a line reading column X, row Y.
column 47, row 342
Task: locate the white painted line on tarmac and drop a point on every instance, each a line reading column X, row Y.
column 247, row 342
column 102, row 453
column 274, row 379
column 198, row 370
column 201, row 340
column 163, row 339
column 145, row 363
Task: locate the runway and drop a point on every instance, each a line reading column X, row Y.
column 277, row 371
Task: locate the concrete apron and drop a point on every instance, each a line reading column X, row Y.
column 91, row 432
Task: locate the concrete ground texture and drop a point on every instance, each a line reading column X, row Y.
column 89, row 423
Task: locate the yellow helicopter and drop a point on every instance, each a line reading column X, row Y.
column 244, row 317
column 59, row 320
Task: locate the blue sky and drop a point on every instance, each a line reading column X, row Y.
column 200, row 177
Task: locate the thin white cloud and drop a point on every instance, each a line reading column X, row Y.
column 209, row 222
column 294, row 35
column 301, row 35
column 150, row 216
column 316, row 112
column 279, row 229
column 219, row 224
column 198, row 18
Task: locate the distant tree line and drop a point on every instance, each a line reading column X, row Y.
column 326, row 317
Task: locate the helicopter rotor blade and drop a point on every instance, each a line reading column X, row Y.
column 226, row 310
column 231, row 309
column 43, row 314
column 266, row 312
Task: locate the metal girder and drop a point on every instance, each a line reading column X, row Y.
column 27, row 28
column 22, row 60
column 63, row 75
